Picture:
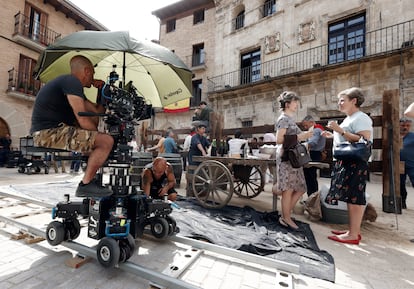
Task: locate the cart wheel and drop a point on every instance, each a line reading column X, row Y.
column 73, row 228
column 159, row 227
column 21, row 170
column 212, row 184
column 249, row 181
column 55, row 233
column 172, row 225
column 108, row 252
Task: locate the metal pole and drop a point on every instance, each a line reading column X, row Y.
column 148, row 274
column 268, row 262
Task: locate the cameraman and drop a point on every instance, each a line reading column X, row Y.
column 56, row 123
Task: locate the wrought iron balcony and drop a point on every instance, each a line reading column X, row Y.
column 377, row 42
column 32, row 33
column 22, row 83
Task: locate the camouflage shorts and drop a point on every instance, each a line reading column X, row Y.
column 66, row 137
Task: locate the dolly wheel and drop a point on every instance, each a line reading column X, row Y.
column 159, row 227
column 55, row 233
column 131, row 243
column 172, row 225
column 73, row 228
column 108, row 252
column 127, row 246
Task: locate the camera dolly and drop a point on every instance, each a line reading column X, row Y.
column 116, row 220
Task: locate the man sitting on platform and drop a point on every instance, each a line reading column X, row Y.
column 158, row 180
column 56, row 123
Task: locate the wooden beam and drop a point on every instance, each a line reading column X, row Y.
column 391, row 198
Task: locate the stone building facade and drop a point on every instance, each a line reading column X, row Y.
column 27, row 27
column 314, row 47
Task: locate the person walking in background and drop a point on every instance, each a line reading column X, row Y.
column 199, row 145
column 159, row 146
column 186, row 146
column 349, row 178
column 76, row 162
column 236, row 145
column 290, row 181
column 133, row 144
column 5, row 143
column 316, row 145
column 170, row 145
column 269, row 137
column 406, row 155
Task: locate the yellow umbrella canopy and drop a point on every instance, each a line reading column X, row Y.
column 157, row 73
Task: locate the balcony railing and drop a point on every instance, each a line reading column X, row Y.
column 33, row 30
column 22, row 82
column 377, row 42
column 196, row 60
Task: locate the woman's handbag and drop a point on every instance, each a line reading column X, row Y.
column 353, row 151
column 298, row 156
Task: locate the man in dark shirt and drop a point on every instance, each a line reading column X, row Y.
column 407, row 156
column 202, row 115
column 5, row 143
column 199, row 145
column 56, row 123
column 158, row 180
column 316, row 145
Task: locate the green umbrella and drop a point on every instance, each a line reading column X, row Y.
column 157, row 73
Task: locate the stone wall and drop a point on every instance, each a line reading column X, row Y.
column 318, row 91
column 14, row 111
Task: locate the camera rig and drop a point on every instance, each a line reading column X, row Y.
column 118, row 219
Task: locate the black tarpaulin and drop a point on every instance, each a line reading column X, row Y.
column 259, row 233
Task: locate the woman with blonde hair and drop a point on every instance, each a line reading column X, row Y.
column 290, row 181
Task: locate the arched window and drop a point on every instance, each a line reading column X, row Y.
column 239, row 21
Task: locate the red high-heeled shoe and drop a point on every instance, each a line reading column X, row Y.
column 337, row 239
column 340, row 232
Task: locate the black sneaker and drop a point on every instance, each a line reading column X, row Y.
column 92, row 190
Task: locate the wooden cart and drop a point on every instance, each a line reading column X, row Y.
column 216, row 179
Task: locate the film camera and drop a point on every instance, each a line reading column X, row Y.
column 120, row 218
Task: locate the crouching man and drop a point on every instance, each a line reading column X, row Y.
column 158, row 180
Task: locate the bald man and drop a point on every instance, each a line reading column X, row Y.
column 158, row 180
column 56, row 123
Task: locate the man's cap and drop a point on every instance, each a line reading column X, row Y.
column 404, row 119
column 308, row 118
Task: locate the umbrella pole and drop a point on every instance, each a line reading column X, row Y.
column 123, row 70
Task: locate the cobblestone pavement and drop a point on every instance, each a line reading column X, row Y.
column 383, row 259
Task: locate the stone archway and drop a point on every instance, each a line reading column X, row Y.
column 15, row 120
column 4, row 127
